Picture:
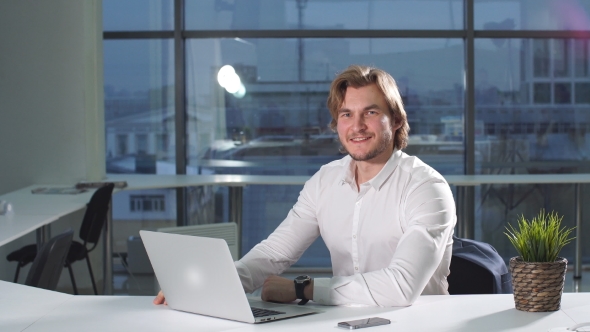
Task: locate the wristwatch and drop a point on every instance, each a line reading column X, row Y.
column 300, row 283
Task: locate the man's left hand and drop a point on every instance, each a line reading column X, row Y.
column 278, row 289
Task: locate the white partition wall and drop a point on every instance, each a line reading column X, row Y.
column 51, row 98
column 51, row 93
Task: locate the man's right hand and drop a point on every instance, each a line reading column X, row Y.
column 160, row 299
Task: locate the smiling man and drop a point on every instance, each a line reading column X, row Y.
column 386, row 217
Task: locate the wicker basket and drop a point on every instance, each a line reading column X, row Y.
column 537, row 286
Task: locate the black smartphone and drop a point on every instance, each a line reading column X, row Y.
column 367, row 322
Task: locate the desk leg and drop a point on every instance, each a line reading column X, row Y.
column 235, row 212
column 459, row 227
column 469, row 212
column 578, row 200
column 465, row 217
column 108, row 254
column 43, row 235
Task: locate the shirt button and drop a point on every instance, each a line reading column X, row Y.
column 354, row 236
column 356, row 268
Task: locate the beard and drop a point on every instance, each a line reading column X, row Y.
column 385, row 143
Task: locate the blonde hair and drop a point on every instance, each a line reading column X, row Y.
column 359, row 76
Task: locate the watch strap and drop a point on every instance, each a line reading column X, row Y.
column 299, row 289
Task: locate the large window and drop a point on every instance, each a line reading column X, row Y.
column 282, row 117
column 139, row 104
column 490, row 87
column 546, row 15
column 138, row 15
column 323, row 14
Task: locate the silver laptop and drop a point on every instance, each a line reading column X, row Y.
column 198, row 275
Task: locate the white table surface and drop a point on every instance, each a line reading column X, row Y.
column 28, row 309
column 476, row 180
column 13, row 227
column 25, row 203
column 150, row 181
column 21, row 306
column 32, row 211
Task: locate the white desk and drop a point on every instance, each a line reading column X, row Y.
column 476, row 180
column 20, row 305
column 38, row 310
column 26, row 203
column 35, row 211
column 15, row 226
column 149, row 181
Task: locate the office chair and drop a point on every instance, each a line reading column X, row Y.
column 48, row 264
column 477, row 268
column 92, row 223
column 469, row 278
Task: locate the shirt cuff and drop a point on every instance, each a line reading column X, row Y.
column 245, row 276
column 321, row 290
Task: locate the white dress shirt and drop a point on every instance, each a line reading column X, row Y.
column 389, row 241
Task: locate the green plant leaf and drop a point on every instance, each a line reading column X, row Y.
column 540, row 239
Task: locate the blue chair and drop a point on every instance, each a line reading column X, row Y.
column 477, row 268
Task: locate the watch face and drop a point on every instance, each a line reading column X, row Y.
column 302, row 279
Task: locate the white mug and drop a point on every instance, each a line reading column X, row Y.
column 5, row 208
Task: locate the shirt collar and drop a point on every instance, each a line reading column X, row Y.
column 379, row 179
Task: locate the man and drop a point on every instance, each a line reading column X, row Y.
column 386, row 217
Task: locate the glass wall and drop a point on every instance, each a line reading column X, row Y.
column 529, row 113
column 139, row 104
column 323, row 14
column 547, row 15
column 281, row 114
column 138, row 15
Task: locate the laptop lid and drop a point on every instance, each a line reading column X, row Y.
column 198, row 275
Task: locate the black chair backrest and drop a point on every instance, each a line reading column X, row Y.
column 96, row 214
column 477, row 268
column 469, row 278
column 49, row 262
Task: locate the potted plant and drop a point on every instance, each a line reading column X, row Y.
column 538, row 273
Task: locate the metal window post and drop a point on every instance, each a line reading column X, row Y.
column 180, row 110
column 467, row 202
